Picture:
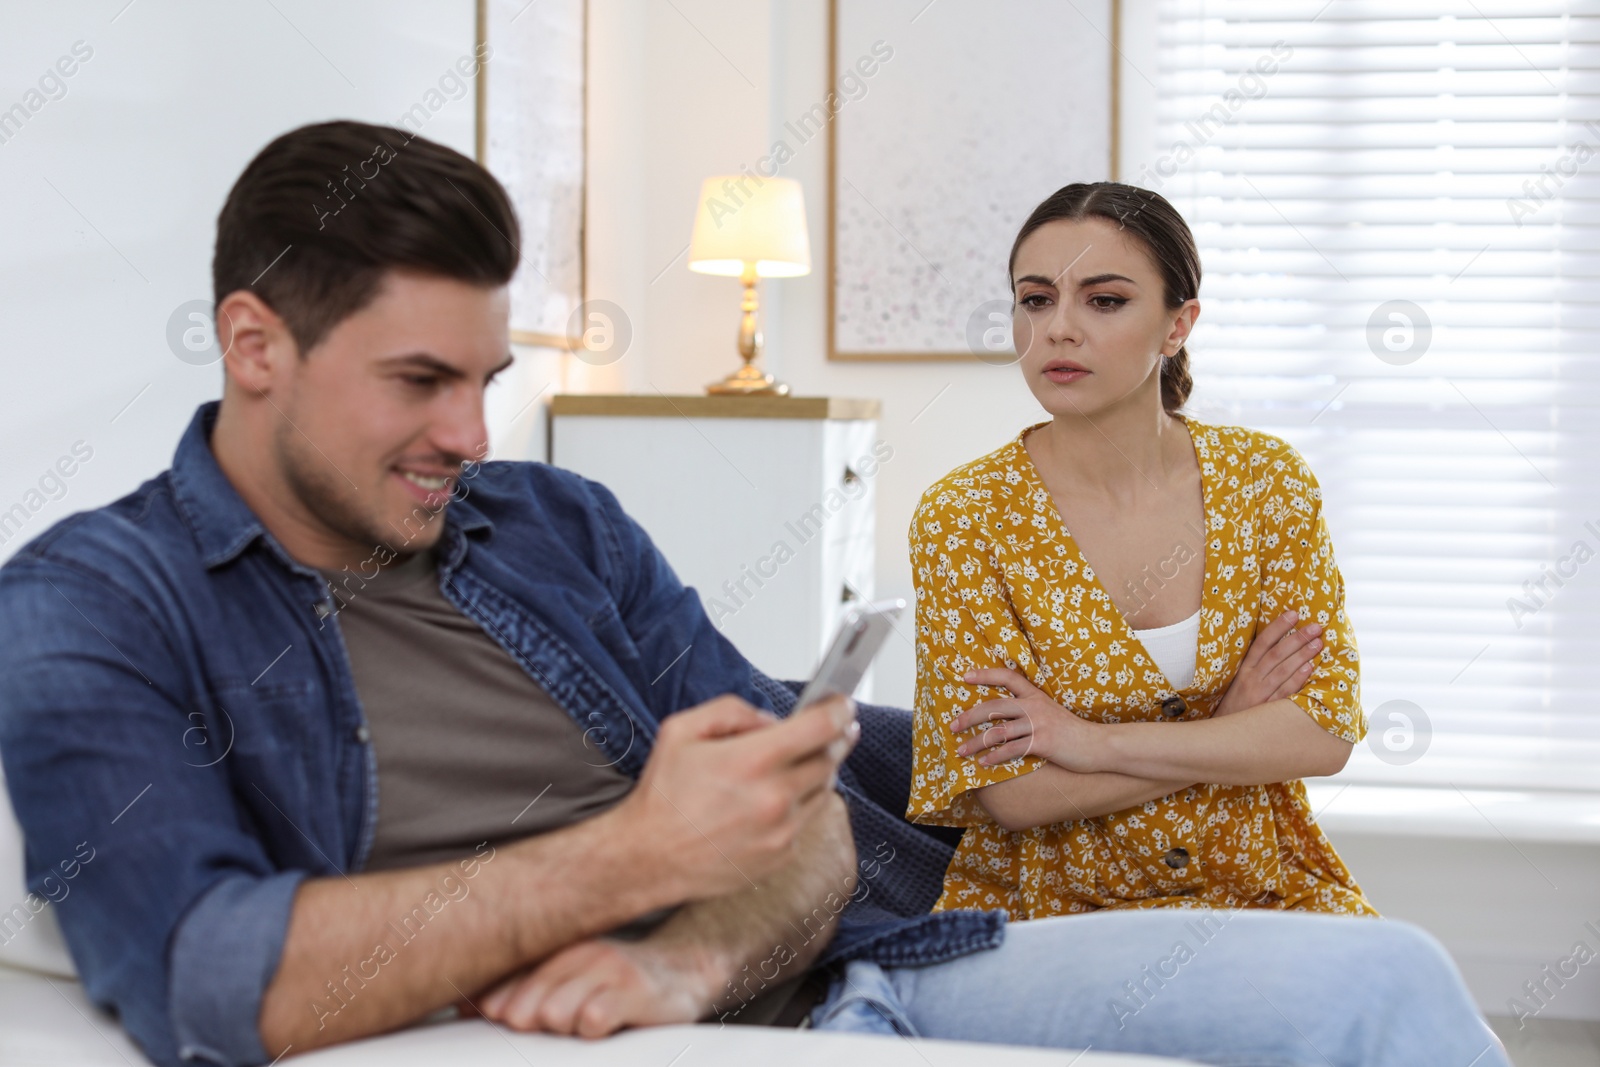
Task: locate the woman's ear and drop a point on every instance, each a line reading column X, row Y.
column 1182, row 325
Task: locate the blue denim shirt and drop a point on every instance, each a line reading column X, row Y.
column 174, row 690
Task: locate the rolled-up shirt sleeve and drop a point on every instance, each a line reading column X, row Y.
column 224, row 954
column 178, row 920
column 1298, row 574
column 965, row 622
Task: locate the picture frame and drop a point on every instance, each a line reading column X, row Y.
column 533, row 91
column 906, row 276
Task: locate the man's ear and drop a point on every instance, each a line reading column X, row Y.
column 255, row 341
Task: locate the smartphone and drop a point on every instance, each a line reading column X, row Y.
column 858, row 640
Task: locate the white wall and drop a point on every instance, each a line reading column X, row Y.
column 109, row 197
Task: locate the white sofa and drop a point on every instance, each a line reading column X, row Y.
column 46, row 1020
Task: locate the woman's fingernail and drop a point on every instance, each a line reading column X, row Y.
column 1316, row 643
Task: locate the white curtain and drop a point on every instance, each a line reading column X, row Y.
column 1398, row 213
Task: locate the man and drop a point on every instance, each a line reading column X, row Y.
column 362, row 727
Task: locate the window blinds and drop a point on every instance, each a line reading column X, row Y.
column 1398, row 212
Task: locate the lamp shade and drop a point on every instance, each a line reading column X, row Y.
column 742, row 219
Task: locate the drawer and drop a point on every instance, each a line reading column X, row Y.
column 847, row 578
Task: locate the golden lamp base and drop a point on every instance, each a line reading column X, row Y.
column 748, row 380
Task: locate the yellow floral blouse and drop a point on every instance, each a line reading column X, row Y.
column 1000, row 583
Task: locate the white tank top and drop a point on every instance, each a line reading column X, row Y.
column 1174, row 649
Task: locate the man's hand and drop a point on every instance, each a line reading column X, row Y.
column 1277, row 664
column 700, row 959
column 722, row 801
column 728, row 788
column 595, row 988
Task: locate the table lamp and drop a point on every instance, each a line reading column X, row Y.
column 750, row 227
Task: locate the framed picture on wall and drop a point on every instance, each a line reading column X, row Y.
column 948, row 127
column 531, row 120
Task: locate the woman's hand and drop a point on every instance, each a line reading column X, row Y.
column 1027, row 723
column 1277, row 664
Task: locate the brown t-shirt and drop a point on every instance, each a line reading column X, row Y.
column 469, row 747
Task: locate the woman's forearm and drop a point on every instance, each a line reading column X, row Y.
column 1054, row 794
column 1272, row 742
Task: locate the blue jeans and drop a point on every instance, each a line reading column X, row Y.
column 1246, row 989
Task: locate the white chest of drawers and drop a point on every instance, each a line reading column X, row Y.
column 764, row 505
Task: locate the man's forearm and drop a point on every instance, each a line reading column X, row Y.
column 371, row 952
column 768, row 933
column 1054, row 794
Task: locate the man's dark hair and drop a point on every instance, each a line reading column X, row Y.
column 322, row 212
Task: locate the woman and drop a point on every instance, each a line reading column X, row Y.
column 1112, row 691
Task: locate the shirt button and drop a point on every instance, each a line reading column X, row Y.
column 363, row 734
column 1173, row 707
column 1177, row 858
column 322, row 609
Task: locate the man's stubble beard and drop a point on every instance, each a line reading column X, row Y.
column 329, row 497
